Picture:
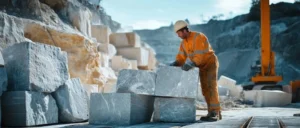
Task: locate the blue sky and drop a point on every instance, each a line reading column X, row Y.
column 152, row 14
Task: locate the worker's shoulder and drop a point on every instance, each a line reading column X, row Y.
column 199, row 34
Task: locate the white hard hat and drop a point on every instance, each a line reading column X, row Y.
column 179, row 25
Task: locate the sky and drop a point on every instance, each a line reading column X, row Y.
column 152, row 14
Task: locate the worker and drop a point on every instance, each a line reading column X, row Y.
column 196, row 51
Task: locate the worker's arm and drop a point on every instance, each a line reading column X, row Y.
column 201, row 47
column 181, row 57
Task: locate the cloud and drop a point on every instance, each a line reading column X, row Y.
column 149, row 24
column 236, row 6
column 276, row 1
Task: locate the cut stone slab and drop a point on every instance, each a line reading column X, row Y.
column 175, row 82
column 120, row 109
column 139, row 54
column 1, row 60
column 223, row 91
column 118, row 63
column 3, row 80
column 152, row 60
column 101, row 33
column 174, row 110
column 133, row 64
column 249, row 95
column 266, row 98
column 231, row 85
column 136, row 81
column 129, row 39
column 72, row 101
column 24, row 108
column 35, row 67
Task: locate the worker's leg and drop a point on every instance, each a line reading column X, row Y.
column 204, row 86
column 212, row 74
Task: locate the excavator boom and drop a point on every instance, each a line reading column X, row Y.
column 267, row 72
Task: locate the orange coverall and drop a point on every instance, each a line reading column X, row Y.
column 197, row 48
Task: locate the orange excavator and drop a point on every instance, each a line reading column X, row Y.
column 266, row 77
column 267, row 72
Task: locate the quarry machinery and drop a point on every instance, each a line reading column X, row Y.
column 266, row 77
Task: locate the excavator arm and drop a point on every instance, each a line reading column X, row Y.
column 267, row 72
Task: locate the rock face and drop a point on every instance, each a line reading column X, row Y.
column 24, row 108
column 74, row 12
column 174, row 82
column 101, row 33
column 79, row 16
column 35, row 67
column 109, row 49
column 91, row 88
column 54, row 29
column 120, row 109
column 72, row 101
column 99, row 16
column 136, row 81
column 57, row 4
column 176, row 110
column 11, row 30
column 3, row 80
column 83, row 57
column 239, row 63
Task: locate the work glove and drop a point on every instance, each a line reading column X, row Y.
column 174, row 64
column 188, row 65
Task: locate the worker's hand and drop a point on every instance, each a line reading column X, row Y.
column 174, row 64
column 188, row 65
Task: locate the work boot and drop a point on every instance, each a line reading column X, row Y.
column 212, row 116
column 204, row 117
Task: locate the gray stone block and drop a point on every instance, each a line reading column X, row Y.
column 72, row 101
column 136, row 81
column 174, row 110
column 24, row 108
column 175, row 82
column 35, row 67
column 117, row 109
column 3, row 80
column 223, row 91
